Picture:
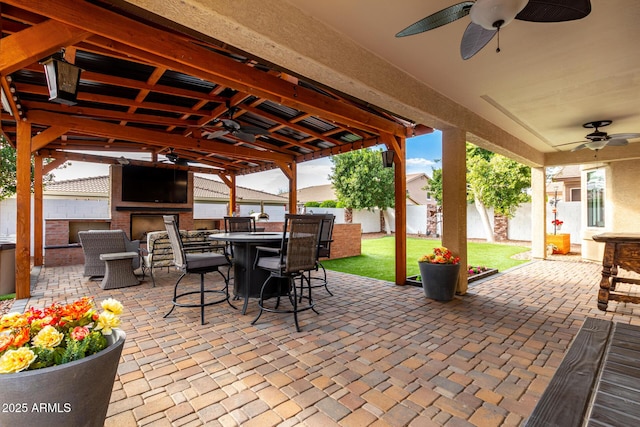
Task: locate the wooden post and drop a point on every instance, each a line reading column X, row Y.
column 293, row 188
column 38, row 240
column 400, row 173
column 23, row 207
column 233, row 195
column 454, row 198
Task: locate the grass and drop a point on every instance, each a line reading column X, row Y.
column 7, row 296
column 377, row 259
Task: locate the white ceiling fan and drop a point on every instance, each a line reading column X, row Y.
column 489, row 16
column 598, row 139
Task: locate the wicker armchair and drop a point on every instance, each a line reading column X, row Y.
column 97, row 242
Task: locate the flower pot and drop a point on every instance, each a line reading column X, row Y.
column 73, row 394
column 439, row 281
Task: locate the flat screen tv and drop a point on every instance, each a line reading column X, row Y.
column 144, row 184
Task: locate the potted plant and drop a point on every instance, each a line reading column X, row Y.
column 439, row 271
column 58, row 364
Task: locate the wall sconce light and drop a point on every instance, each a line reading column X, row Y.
column 62, row 80
column 387, row 158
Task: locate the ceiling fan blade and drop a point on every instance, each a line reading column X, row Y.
column 216, row 134
column 246, row 137
column 554, row 10
column 474, row 39
column 624, row 135
column 617, row 142
column 579, row 147
column 438, row 19
column 254, row 130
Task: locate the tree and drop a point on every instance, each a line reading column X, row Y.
column 497, row 182
column 493, row 181
column 8, row 175
column 434, row 185
column 7, row 169
column 362, row 182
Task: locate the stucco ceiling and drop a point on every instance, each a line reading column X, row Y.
column 548, row 79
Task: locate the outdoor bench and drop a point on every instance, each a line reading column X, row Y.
column 597, row 382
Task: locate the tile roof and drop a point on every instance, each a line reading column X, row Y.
column 204, row 188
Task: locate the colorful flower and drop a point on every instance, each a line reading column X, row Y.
column 112, row 305
column 106, row 322
column 440, row 255
column 52, row 335
column 48, row 338
column 16, row 360
column 79, row 333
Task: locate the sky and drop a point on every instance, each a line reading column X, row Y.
column 422, row 153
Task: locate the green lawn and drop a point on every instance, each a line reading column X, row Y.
column 377, row 259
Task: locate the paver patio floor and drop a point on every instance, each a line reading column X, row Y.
column 377, row 354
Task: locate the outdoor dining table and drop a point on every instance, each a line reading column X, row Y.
column 247, row 280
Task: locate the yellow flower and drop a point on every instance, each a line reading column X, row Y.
column 16, row 360
column 12, row 320
column 106, row 322
column 112, row 305
column 48, row 337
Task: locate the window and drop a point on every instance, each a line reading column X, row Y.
column 575, row 195
column 595, row 198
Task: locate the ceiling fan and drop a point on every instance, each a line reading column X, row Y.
column 489, row 16
column 599, row 139
column 175, row 159
column 233, row 127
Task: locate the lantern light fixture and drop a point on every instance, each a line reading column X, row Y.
column 387, row 158
column 63, row 80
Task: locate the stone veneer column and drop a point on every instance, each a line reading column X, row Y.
column 454, row 198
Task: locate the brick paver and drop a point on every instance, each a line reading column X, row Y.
column 377, row 354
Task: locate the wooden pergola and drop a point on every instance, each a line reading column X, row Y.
column 154, row 87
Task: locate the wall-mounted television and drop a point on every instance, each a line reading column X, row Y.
column 145, row 184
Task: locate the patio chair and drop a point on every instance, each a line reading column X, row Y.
column 197, row 263
column 97, row 242
column 238, row 224
column 296, row 258
column 324, row 248
column 233, row 224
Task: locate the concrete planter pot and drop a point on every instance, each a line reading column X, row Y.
column 73, row 394
column 439, row 281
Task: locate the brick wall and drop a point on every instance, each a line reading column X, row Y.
column 347, row 240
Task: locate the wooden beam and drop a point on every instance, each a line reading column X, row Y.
column 23, row 209
column 174, row 52
column 43, row 138
column 52, row 165
column 161, row 139
column 34, row 43
column 63, row 156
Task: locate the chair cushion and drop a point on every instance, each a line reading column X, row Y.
column 196, row 261
column 270, row 263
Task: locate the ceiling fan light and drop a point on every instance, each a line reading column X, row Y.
column 487, row 13
column 596, row 145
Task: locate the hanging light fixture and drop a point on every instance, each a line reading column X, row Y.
column 492, row 14
column 387, row 158
column 62, row 80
